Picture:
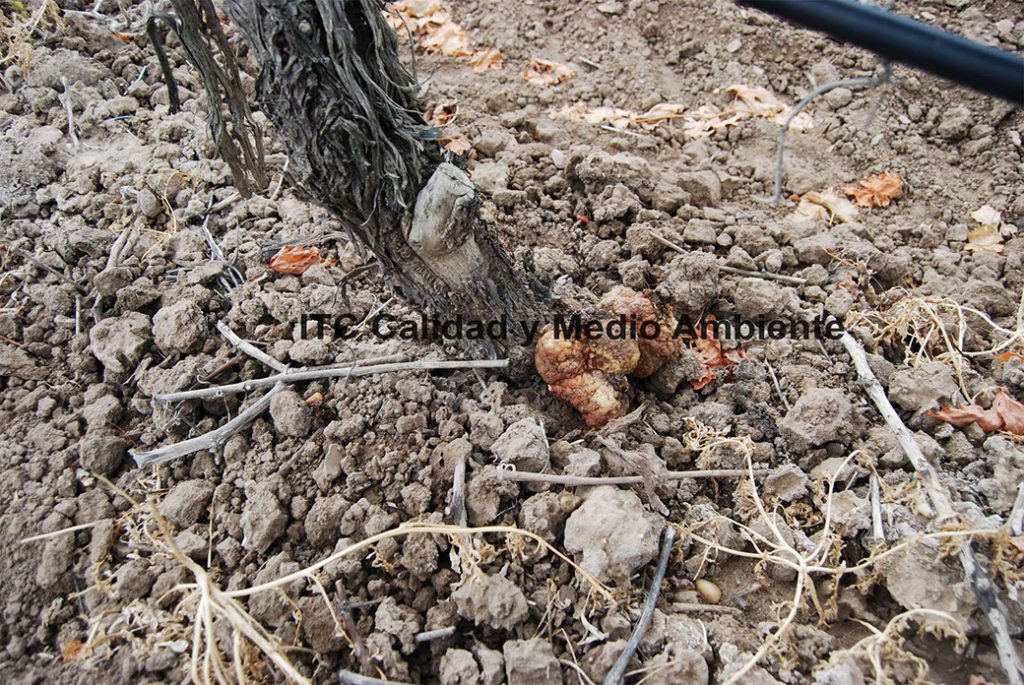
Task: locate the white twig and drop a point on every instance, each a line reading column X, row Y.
column 53, row 534
column 65, row 98
column 211, row 440
column 565, row 479
column 430, row 635
column 778, row 386
column 458, row 508
column 615, row 675
column 711, row 608
column 250, row 349
column 344, row 371
column 350, row 678
column 781, row 278
column 1016, row 517
column 982, row 584
column 878, row 531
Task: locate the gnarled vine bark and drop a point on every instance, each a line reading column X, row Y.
column 346, row 109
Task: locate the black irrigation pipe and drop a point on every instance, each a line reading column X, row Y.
column 896, row 38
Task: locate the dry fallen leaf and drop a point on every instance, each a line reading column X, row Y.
column 623, row 118
column 984, row 239
column 74, row 650
column 988, row 236
column 441, row 113
column 448, row 38
column 710, row 351
column 295, row 259
column 1006, row 414
column 489, row 58
column 877, row 191
column 825, row 206
column 542, row 72
column 458, row 145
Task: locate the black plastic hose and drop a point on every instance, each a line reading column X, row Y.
column 944, row 54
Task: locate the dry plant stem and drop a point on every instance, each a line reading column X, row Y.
column 343, row 371
column 422, row 529
column 350, row 678
column 1016, row 518
column 575, row 481
column 430, row 635
column 458, row 509
column 615, row 675
column 778, row 386
column 211, row 440
column 979, row 579
column 250, row 349
column 877, row 530
column 799, row 107
column 65, row 98
column 782, row 278
column 710, row 608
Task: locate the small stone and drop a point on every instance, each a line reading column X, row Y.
column 613, row 533
column 263, row 520
column 491, row 176
column 923, row 387
column 118, row 342
column 458, row 667
column 524, row 445
column 788, row 483
column 491, row 600
column 704, row 187
column 290, row 414
column 330, row 468
column 148, row 203
column 531, row 662
column 821, row 415
column 708, row 591
column 838, row 98
column 186, row 502
column 102, row 452
column 179, row 327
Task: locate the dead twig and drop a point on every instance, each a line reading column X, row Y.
column 211, row 440
column 710, row 608
column 977, row 576
column 430, row 635
column 250, row 349
column 343, row 371
column 458, row 508
column 877, row 530
column 351, row 678
column 781, row 278
column 615, row 675
column 509, row 473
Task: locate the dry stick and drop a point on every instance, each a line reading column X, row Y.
column 615, row 675
column 214, row 438
column 347, row 370
column 429, row 635
column 782, row 278
column 876, row 510
column 711, row 608
column 778, row 386
column 350, row 678
column 250, row 349
column 1016, row 518
column 458, row 508
column 820, row 90
column 979, row 579
column 565, row 479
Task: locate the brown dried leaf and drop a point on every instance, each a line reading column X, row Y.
column 824, row 206
column 877, row 191
column 441, row 113
column 544, row 72
column 488, row 58
column 74, row 650
column 458, row 145
column 985, row 238
column 295, row 259
column 1006, row 414
column 448, row 38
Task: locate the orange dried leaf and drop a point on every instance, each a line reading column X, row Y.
column 1007, row 356
column 966, row 414
column 458, row 145
column 489, row 58
column 1006, row 414
column 448, row 38
column 1010, row 411
column 543, row 72
column 295, row 259
column 877, row 191
column 985, row 238
column 74, row 650
column 441, row 113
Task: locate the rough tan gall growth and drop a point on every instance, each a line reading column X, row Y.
column 590, row 373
